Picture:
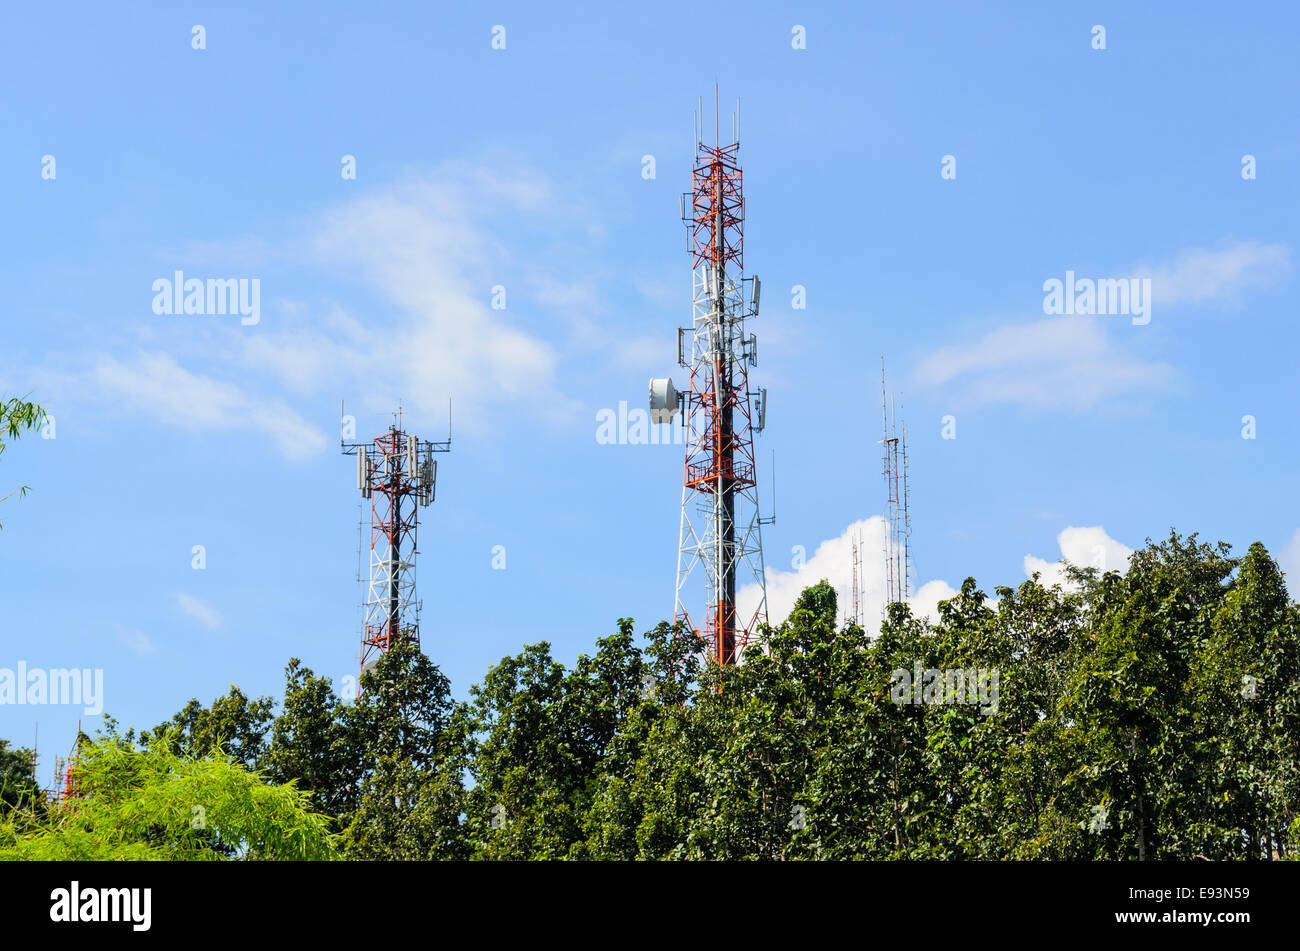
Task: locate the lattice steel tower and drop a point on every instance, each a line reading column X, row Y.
column 398, row 474
column 721, row 529
column 898, row 531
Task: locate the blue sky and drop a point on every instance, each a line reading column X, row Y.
column 522, row 167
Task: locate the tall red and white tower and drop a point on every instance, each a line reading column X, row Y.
column 721, row 529
column 397, row 474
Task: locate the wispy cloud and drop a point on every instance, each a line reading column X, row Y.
column 1218, row 275
column 1052, row 363
column 155, row 384
column 136, row 640
column 1077, row 363
column 662, row 291
column 200, row 611
column 426, row 253
column 426, row 248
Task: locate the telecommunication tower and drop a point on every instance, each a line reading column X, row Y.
column 856, row 597
column 65, row 787
column 71, row 787
column 397, row 474
column 898, row 532
column 721, row 529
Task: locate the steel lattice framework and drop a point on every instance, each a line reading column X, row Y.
column 898, row 531
column 66, row 786
column 397, row 473
column 721, row 534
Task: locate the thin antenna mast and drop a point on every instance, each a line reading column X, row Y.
column 854, row 619
column 907, row 518
column 898, row 532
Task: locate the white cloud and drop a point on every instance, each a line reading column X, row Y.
column 662, row 291
column 427, row 252
column 431, row 250
column 200, row 611
column 1054, row 363
column 1073, row 362
column 1204, row 275
column 1288, row 559
column 571, row 298
column 425, row 247
column 645, row 354
column 135, row 640
column 925, row 603
column 1083, row 547
column 154, row 383
column 833, row 560
column 311, row 350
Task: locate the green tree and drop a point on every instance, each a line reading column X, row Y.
column 543, row 733
column 311, row 744
column 1244, row 696
column 645, row 793
column 1129, row 702
column 18, row 784
column 412, row 745
column 1152, row 713
column 16, row 417
column 233, row 722
column 152, row 803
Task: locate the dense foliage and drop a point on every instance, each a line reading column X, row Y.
column 1153, row 714
column 17, row 786
column 134, row 803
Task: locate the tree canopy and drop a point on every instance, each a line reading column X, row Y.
column 152, row 803
column 1152, row 713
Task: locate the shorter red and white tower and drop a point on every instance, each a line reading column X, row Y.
column 398, row 474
